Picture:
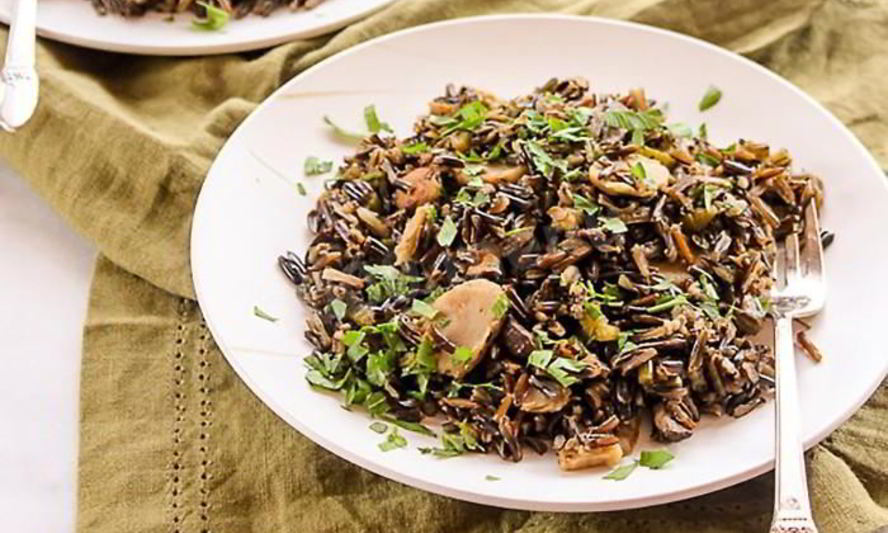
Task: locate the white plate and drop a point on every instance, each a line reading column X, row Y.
column 247, row 214
column 76, row 22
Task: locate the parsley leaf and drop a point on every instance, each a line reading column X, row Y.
column 393, row 440
column 472, row 115
column 540, row 358
column 542, row 161
column 707, row 159
column 372, row 120
column 667, row 303
column 704, row 133
column 415, row 148
column 339, row 308
column 614, row 225
column 638, row 171
column 461, row 356
column 391, row 282
column 680, row 129
column 379, row 427
column 215, row 19
column 262, row 314
column 587, row 205
column 447, row 233
column 415, row 427
column 655, row 459
column 421, row 308
column 314, row 166
column 300, row 188
column 343, row 134
column 490, row 477
column 500, row 306
column 710, row 98
column 621, row 473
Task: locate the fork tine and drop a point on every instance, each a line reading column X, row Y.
column 780, row 266
column 792, row 259
column 813, row 250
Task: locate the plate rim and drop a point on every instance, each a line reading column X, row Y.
column 245, row 45
column 497, row 500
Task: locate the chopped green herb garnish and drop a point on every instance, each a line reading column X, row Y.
column 668, row 303
column 263, row 315
column 471, row 115
column 415, row 427
column 562, row 367
column 704, row 133
column 621, row 473
column 343, row 134
column 516, row 231
column 710, row 98
column 391, row 282
column 392, row 441
column 655, row 459
column 415, row 148
column 614, row 225
column 379, row 427
column 372, row 120
column 544, row 163
column 707, row 159
column 501, row 306
column 215, row 18
column 461, row 355
column 489, row 477
column 634, row 120
column 314, row 166
column 540, row 358
column 680, row 129
column 339, row 308
column 317, row 379
column 588, row 206
column 441, row 120
column 475, row 171
column 638, row 171
column 421, row 308
column 300, row 188
column 447, row 233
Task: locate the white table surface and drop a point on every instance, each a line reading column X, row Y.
column 45, row 272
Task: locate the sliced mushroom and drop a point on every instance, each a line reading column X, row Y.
column 666, row 427
column 468, row 309
column 576, row 456
column 565, row 218
column 338, row 276
column 486, row 264
column 423, row 187
column 372, row 220
column 628, row 432
column 517, row 339
column 544, row 397
column 656, row 174
column 406, row 247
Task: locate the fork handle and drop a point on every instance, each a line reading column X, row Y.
column 20, row 82
column 792, row 509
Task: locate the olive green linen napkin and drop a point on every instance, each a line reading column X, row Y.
column 172, row 440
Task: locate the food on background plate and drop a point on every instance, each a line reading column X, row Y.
column 542, row 272
column 213, row 13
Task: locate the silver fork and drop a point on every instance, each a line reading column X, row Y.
column 801, row 292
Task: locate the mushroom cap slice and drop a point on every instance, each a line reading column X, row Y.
column 406, row 247
column 576, row 456
column 471, row 322
column 424, row 187
column 535, row 400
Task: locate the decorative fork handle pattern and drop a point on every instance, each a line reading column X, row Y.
column 19, row 77
column 792, row 509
